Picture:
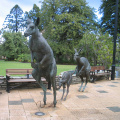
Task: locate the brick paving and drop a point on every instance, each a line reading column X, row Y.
column 100, row 101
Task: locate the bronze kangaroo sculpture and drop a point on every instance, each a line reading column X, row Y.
column 41, row 52
column 83, row 69
column 65, row 80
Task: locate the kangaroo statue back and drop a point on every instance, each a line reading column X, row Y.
column 83, row 68
column 42, row 58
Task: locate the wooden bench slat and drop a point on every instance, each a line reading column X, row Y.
column 102, row 74
column 95, row 72
column 10, row 79
column 19, row 73
column 22, row 80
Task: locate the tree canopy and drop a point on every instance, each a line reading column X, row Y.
column 93, row 46
column 65, row 23
column 34, row 13
column 14, row 45
column 108, row 8
column 14, row 21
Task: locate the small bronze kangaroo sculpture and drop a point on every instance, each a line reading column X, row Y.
column 65, row 80
column 83, row 69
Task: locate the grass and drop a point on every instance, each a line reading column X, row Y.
column 11, row 64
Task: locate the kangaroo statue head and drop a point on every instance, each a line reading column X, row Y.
column 76, row 55
column 31, row 27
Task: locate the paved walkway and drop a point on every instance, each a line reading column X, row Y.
column 100, row 101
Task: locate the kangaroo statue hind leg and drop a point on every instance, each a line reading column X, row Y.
column 53, row 73
column 67, row 92
column 63, row 91
column 82, row 81
column 87, row 79
column 36, row 75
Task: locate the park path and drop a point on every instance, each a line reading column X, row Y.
column 100, row 101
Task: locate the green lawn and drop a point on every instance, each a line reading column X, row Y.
column 7, row 64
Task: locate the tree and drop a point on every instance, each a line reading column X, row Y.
column 14, row 21
column 14, row 45
column 107, row 8
column 88, row 46
column 33, row 14
column 21, row 44
column 98, row 48
column 8, row 46
column 65, row 23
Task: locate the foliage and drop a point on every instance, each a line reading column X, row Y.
column 24, row 58
column 14, row 45
column 0, row 51
column 33, row 14
column 105, row 49
column 8, row 46
column 107, row 8
column 98, row 48
column 14, row 21
column 65, row 22
column 88, row 44
column 118, row 49
column 21, row 44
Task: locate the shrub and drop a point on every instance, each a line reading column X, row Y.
column 24, row 58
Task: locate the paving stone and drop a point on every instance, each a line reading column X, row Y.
column 18, row 118
column 114, row 109
column 53, row 118
column 70, row 117
column 4, row 116
column 17, row 113
column 93, row 104
column 102, row 91
column 27, row 100
column 18, row 107
column 98, row 86
column 47, row 93
column 115, row 82
column 14, row 99
column 82, row 96
column 14, row 103
column 112, row 85
column 30, row 106
column 61, row 90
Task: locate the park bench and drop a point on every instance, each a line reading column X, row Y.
column 21, row 79
column 97, row 71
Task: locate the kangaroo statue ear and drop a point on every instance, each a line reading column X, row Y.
column 37, row 21
column 75, row 50
column 80, row 50
column 29, row 21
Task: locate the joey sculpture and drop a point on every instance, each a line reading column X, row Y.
column 83, row 69
column 41, row 52
column 65, row 80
